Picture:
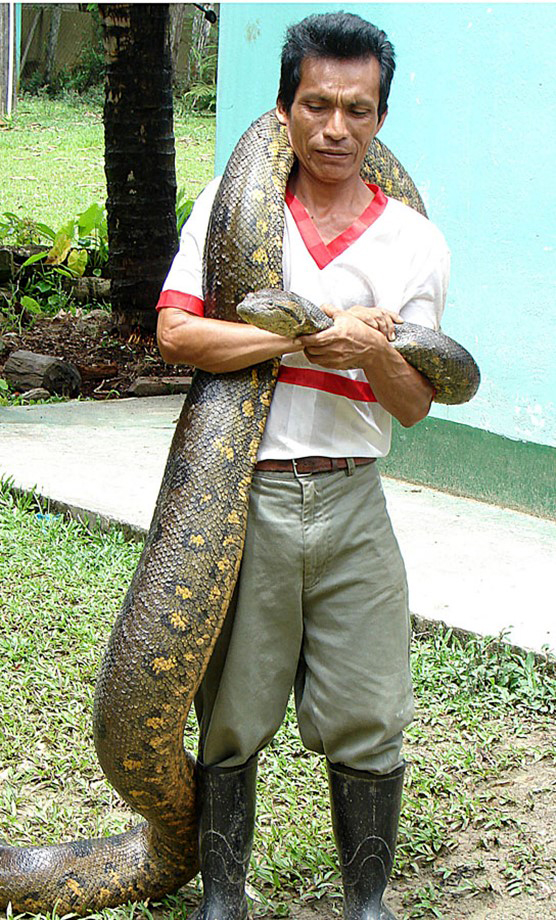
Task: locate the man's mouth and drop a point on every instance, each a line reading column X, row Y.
column 334, row 153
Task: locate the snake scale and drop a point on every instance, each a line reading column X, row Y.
column 178, row 598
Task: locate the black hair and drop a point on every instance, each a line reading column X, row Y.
column 334, row 35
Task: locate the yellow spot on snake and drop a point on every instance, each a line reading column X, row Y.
column 159, row 744
column 154, row 722
column 233, row 517
column 163, row 664
column 215, row 593
column 262, row 227
column 130, row 764
column 206, row 498
column 243, row 485
column 224, row 564
column 273, row 279
column 248, row 408
column 177, row 620
column 197, row 540
column 75, row 886
column 260, row 256
column 182, row 591
column 224, row 449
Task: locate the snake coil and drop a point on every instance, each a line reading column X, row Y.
column 178, row 598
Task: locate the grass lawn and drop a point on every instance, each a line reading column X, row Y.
column 52, row 167
column 477, row 837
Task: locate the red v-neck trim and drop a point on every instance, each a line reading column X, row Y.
column 324, row 253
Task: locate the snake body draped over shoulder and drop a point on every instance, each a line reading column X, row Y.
column 173, row 611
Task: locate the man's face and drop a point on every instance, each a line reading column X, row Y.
column 334, row 116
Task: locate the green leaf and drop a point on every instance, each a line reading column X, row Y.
column 47, row 231
column 36, row 258
column 77, row 261
column 30, row 304
column 90, row 220
column 43, row 285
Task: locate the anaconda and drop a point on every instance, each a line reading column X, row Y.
column 173, row 611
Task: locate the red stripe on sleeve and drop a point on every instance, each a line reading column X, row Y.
column 181, row 301
column 328, row 383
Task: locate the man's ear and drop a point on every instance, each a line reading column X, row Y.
column 281, row 113
column 381, row 122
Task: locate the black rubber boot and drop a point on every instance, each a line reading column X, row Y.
column 226, row 823
column 365, row 811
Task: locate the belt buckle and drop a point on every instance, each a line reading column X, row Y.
column 296, row 472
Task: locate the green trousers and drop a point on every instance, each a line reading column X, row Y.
column 321, row 606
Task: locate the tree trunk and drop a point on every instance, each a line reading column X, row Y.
column 52, row 42
column 200, row 34
column 139, row 158
column 177, row 14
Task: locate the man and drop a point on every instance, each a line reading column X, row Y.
column 321, row 602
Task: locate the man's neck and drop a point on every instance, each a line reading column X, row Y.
column 332, row 207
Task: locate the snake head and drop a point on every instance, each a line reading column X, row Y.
column 282, row 312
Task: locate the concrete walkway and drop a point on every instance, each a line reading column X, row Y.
column 474, row 566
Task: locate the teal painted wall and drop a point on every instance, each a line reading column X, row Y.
column 472, row 116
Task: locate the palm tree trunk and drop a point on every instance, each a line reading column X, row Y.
column 139, row 158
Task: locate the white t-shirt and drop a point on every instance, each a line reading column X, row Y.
column 391, row 257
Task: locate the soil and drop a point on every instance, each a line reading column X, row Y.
column 107, row 361
column 507, row 872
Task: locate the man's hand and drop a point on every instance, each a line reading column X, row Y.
column 383, row 320
column 356, row 340
column 353, row 339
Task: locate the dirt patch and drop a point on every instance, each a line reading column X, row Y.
column 504, row 869
column 107, row 361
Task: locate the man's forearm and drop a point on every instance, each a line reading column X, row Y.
column 398, row 387
column 216, row 345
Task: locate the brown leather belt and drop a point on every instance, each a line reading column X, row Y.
column 311, row 464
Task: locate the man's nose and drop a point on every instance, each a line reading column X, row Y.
column 336, row 127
